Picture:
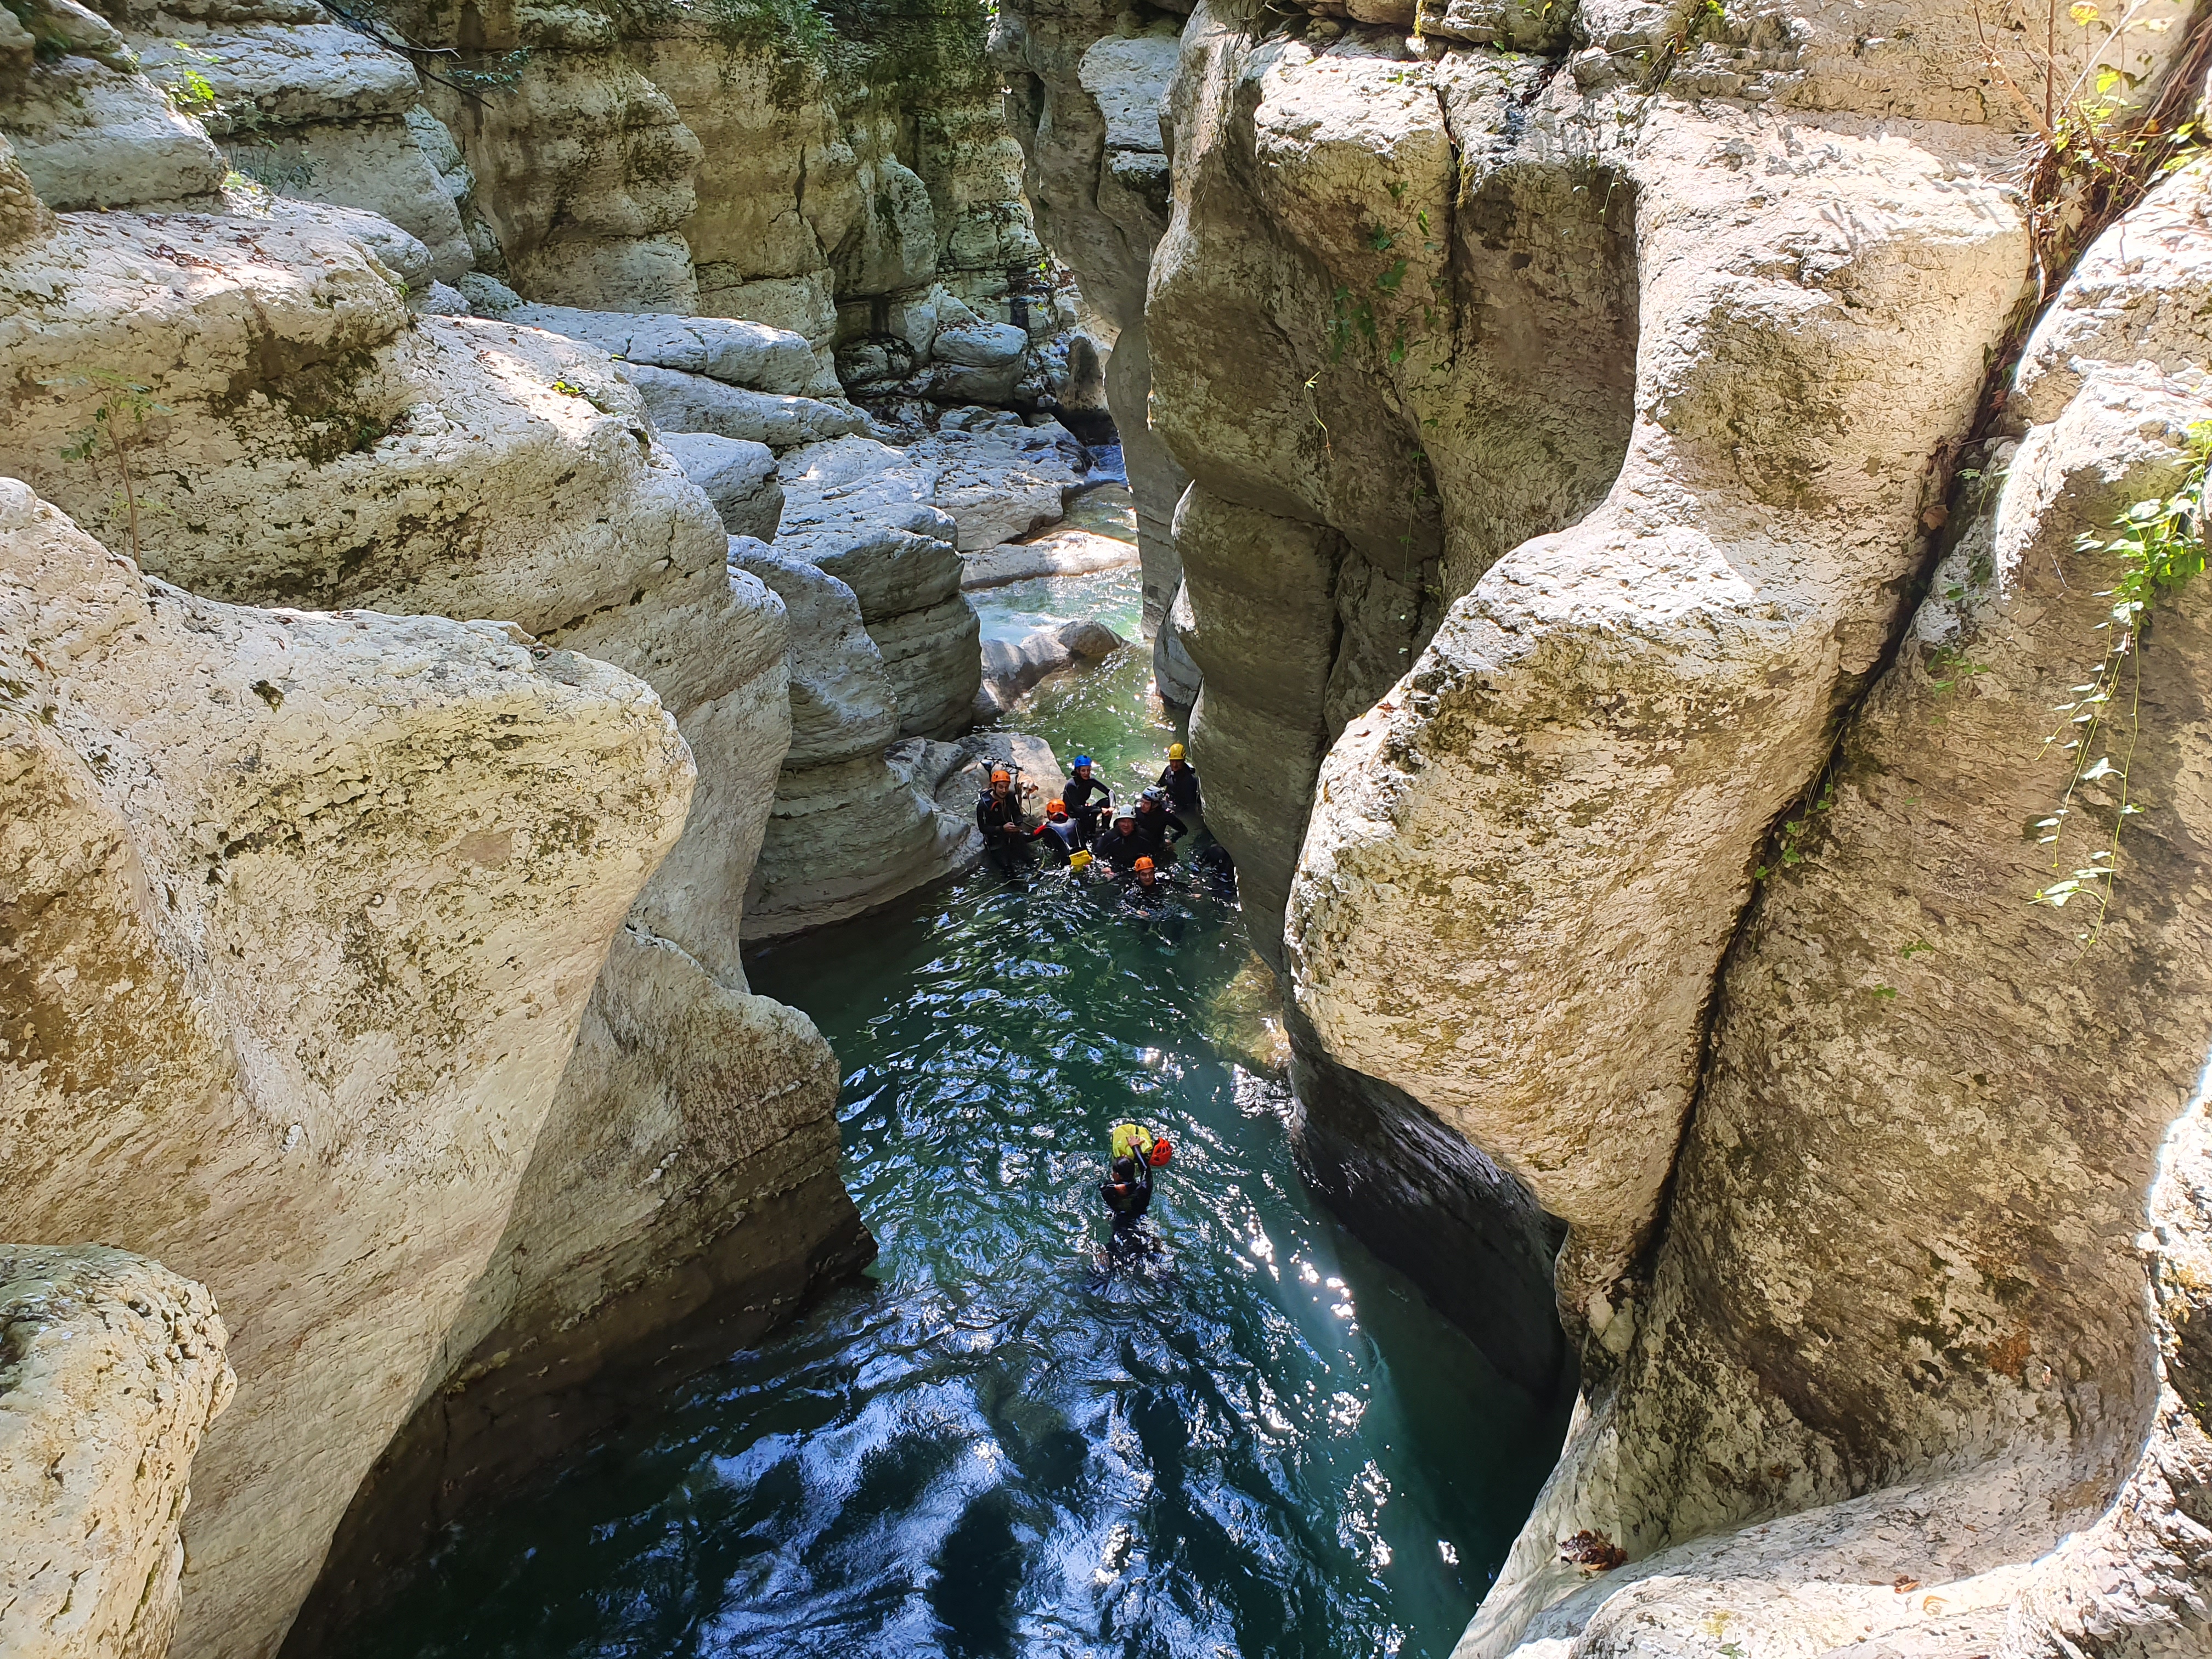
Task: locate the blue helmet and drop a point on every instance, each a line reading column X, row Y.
column 1082, row 761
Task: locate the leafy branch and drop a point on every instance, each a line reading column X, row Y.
column 505, row 72
column 2091, row 158
column 2160, row 544
column 118, row 427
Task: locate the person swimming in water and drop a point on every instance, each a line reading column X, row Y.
column 1127, row 1188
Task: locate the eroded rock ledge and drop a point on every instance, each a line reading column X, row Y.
column 276, row 1024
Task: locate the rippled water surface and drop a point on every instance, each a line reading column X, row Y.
column 1260, row 1443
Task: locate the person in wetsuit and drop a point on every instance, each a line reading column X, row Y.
column 1087, row 796
column 1146, row 888
column 1178, row 781
column 1121, row 847
column 1157, row 828
column 999, row 816
column 1062, row 835
column 1128, row 1194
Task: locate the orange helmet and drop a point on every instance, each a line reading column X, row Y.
column 1055, row 808
column 1142, row 864
column 1002, row 776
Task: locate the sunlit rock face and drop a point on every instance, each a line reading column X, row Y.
column 1929, row 1308
column 1569, row 443
column 305, row 911
column 315, row 444
column 1088, row 88
column 112, row 1371
column 1595, row 508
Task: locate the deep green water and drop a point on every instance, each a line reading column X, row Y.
column 1260, row 1443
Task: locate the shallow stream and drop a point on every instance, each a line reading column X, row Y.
column 1260, row 1443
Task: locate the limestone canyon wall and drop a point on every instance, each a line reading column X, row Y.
column 528, row 315
column 110, row 1371
column 1571, row 403
column 1925, row 1309
column 305, row 911
column 1086, row 95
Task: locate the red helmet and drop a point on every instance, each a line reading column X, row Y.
column 1161, row 1152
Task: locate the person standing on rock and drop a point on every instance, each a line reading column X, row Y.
column 1081, row 785
column 1179, row 781
column 999, row 816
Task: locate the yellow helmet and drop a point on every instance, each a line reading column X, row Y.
column 1175, row 751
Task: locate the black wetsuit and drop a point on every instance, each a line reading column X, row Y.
column 1076, row 795
column 1119, row 850
column 1061, row 840
column 1129, row 1202
column 1135, row 896
column 994, row 814
column 1153, row 823
column 1180, row 784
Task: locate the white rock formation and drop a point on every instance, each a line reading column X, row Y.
column 112, row 1369
column 311, row 906
column 848, row 832
column 1901, row 1308
column 320, row 445
column 863, row 512
column 692, row 402
column 1067, row 551
column 998, row 476
column 773, row 359
column 1011, row 669
column 738, row 477
column 1090, row 112
column 1654, row 576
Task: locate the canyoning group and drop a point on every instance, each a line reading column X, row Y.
column 1134, row 847
column 1134, row 850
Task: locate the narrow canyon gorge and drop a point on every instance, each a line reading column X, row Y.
column 1669, row 532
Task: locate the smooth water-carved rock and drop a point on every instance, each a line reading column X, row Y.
column 1091, row 87
column 111, row 1371
column 320, row 446
column 998, row 476
column 1259, row 588
column 848, row 831
column 308, row 107
column 865, row 512
column 1898, row 1327
column 692, row 402
column 1068, row 550
column 308, row 908
column 1659, row 614
column 773, row 359
column 93, row 133
column 738, row 477
column 1013, row 669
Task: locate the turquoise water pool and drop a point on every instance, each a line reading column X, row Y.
column 1259, row 1441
